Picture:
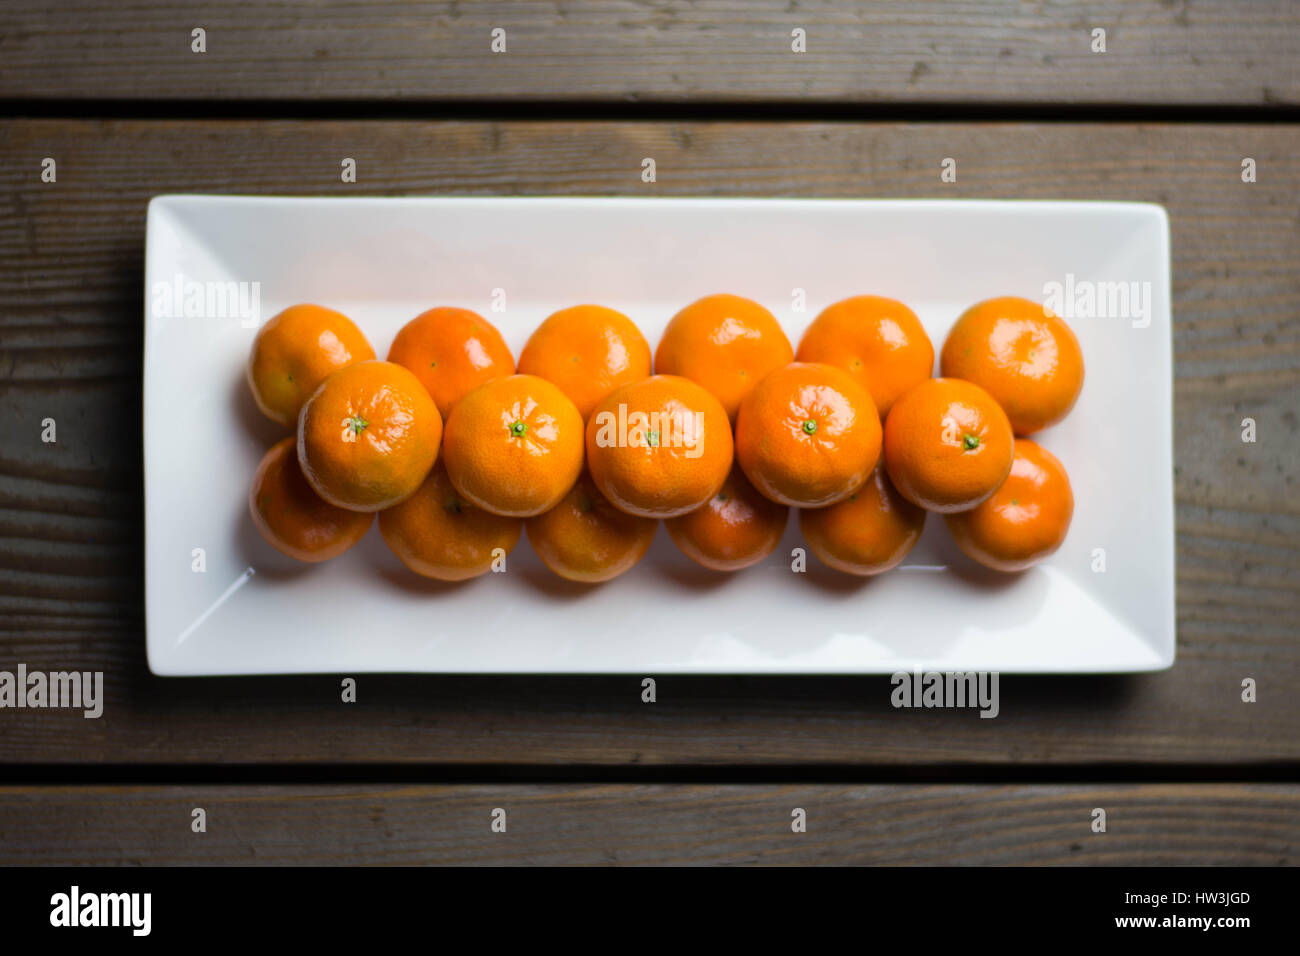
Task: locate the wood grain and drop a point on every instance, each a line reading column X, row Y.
column 71, row 513
column 1157, row 51
column 1147, row 825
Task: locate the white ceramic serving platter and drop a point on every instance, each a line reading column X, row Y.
column 238, row 607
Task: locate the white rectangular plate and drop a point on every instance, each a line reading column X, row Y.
column 238, row 607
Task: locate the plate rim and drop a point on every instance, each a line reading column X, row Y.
column 165, row 204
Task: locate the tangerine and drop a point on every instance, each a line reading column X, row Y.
column 585, row 538
column 440, row 534
column 948, row 445
column 868, row 532
column 726, row 343
column 292, row 517
column 1025, row 520
column 588, row 351
column 1022, row 354
column 878, row 341
column 734, row 529
column 451, row 351
column 295, row 351
column 660, row 447
column 513, row 446
column 368, row 436
column 808, row 435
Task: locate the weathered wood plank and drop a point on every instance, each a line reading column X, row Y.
column 1148, row 825
column 70, row 514
column 1237, row 52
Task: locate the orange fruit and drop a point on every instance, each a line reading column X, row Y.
column 735, row 528
column 588, row 351
column 808, row 435
column 868, row 532
column 292, row 517
column 585, row 538
column 1022, row 354
column 368, row 436
column 725, row 343
column 878, row 341
column 295, row 351
column 659, row 447
column 451, row 351
column 948, row 445
column 1026, row 519
column 439, row 534
column 514, row 445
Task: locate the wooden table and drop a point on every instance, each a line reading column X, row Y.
column 1186, row 770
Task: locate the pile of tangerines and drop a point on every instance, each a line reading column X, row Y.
column 459, row 450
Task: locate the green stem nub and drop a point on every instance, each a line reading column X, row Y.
column 652, row 439
column 810, row 427
column 357, row 424
column 970, row 442
column 517, row 429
